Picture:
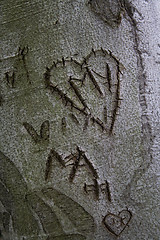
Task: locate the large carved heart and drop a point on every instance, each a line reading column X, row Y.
column 90, row 87
column 117, row 223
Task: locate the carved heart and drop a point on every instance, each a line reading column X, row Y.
column 117, row 223
column 80, row 83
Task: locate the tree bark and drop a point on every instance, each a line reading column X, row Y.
column 80, row 119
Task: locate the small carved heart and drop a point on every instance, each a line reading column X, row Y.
column 117, row 223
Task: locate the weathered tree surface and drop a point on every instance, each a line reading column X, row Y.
column 79, row 119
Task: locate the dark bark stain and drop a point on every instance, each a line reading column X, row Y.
column 108, row 10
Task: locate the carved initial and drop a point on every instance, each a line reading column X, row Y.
column 44, row 131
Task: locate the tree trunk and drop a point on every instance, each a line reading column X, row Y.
column 79, row 107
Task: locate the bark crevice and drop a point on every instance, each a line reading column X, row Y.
column 147, row 136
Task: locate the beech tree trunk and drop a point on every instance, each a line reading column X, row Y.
column 80, row 128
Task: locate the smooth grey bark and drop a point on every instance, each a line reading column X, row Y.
column 80, row 119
